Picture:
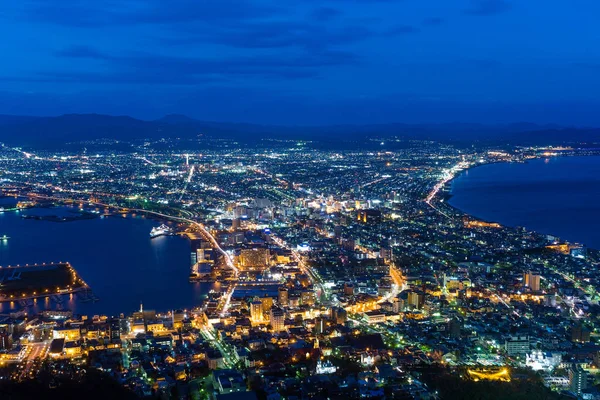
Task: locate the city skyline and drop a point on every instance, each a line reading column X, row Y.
column 302, row 199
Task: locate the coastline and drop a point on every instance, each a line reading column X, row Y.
column 448, row 194
column 179, row 253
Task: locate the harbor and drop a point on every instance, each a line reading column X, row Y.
column 18, row 283
column 116, row 256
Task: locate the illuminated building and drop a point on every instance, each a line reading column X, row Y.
column 369, row 216
column 397, row 305
column 538, row 360
column 66, row 333
column 5, row 340
column 578, row 252
column 374, row 317
column 325, row 367
column 255, row 258
column 577, row 379
column 256, row 311
column 115, row 329
column 501, row 375
column 307, row 297
column 319, row 325
column 339, row 315
column 532, row 281
column 155, row 326
column 517, row 345
column 72, row 349
column 416, row 300
column 348, row 289
column 277, row 317
column 282, row 297
column 267, row 302
column 178, row 317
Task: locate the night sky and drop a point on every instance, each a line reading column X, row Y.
column 304, row 61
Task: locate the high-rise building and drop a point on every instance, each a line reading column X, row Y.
column 517, row 345
column 282, row 297
column 416, row 300
column 256, row 311
column 277, row 317
column 369, row 216
column 577, row 379
column 114, row 326
column 454, row 328
column 267, row 303
column 348, row 289
column 397, row 305
column 307, row 297
column 319, row 325
column 580, row 333
column 5, row 340
column 339, row 315
column 532, row 281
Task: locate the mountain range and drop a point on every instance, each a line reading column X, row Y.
column 50, row 131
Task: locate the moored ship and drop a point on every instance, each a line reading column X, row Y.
column 160, row 231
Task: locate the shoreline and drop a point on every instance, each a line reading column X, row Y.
column 447, row 188
column 115, row 213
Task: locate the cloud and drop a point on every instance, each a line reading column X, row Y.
column 82, row 13
column 166, row 69
column 488, row 7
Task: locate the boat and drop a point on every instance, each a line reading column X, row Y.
column 4, row 237
column 160, row 231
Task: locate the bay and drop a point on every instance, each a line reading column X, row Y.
column 114, row 255
column 558, row 196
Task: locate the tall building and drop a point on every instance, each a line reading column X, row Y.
column 369, row 216
column 416, row 300
column 397, row 305
column 517, row 345
column 282, row 296
column 277, row 317
column 532, row 281
column 256, row 311
column 267, row 303
column 114, row 326
column 319, row 325
column 580, row 333
column 339, row 315
column 454, row 328
column 577, row 379
column 5, row 340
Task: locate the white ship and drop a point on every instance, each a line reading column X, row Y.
column 160, row 231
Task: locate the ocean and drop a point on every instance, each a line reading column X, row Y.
column 558, row 196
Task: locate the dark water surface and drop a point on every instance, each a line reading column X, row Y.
column 114, row 255
column 558, row 196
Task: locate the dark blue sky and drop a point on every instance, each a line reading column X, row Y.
column 304, row 61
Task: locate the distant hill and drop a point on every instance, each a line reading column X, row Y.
column 44, row 131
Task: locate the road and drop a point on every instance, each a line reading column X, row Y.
column 34, row 354
column 397, row 286
column 315, row 279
